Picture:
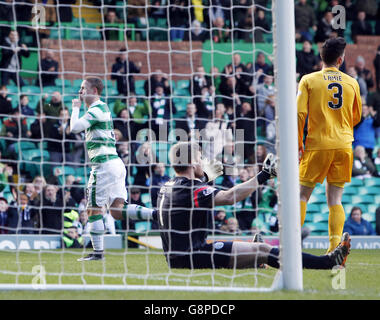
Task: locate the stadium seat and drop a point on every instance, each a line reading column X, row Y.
column 146, row 200
column 369, row 216
column 21, row 146
column 372, row 182
column 365, row 199
column 318, row 227
column 372, row 208
column 346, row 198
column 30, row 89
column 369, row 190
column 355, row 182
column 313, row 207
column 351, row 190
column 66, row 83
column 317, row 198
column 35, row 155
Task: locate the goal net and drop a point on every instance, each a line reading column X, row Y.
column 215, row 72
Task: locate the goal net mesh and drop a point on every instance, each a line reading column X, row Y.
column 213, row 59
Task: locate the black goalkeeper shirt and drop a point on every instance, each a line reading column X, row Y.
column 185, row 215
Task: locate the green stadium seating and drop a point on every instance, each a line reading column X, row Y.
column 21, row 146
column 318, row 227
column 317, row 198
column 31, row 89
column 369, row 216
column 346, row 198
column 146, row 200
column 313, row 207
column 372, row 182
column 63, row 83
column 363, row 199
column 377, row 199
column 355, row 182
column 372, row 208
column 373, row 190
column 351, row 190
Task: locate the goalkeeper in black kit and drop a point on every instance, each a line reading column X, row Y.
column 185, row 204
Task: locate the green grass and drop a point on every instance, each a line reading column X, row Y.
column 136, row 267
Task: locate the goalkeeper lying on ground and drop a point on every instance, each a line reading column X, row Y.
column 185, row 218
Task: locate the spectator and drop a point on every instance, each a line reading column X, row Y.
column 304, row 20
column 139, row 112
column 158, row 9
column 206, row 104
column 270, row 128
column 356, row 225
column 74, row 189
column 123, row 71
column 364, row 72
column 261, row 25
column 48, row 69
column 217, row 134
column 83, row 226
column 71, row 238
column 245, row 209
column 157, row 79
column 26, row 110
column 53, row 108
column 136, row 11
column 245, row 121
column 376, row 64
column 60, row 144
column 363, row 167
column 220, row 34
column 365, row 130
column 178, row 18
column 21, row 216
column 159, row 178
column 243, row 22
column 163, row 109
column 30, row 191
column 123, row 123
column 3, row 215
column 360, row 27
column 220, row 221
column 39, row 128
column 261, row 153
column 191, row 124
column 325, row 28
column 6, row 173
column 307, row 61
column 64, row 11
column 6, row 14
column 199, row 81
column 362, row 84
column 12, row 51
column 39, row 183
column 14, row 129
column 5, row 102
column 196, row 33
column 110, row 32
column 144, row 158
column 232, row 227
column 263, row 91
column 261, row 68
column 52, row 204
column 231, row 92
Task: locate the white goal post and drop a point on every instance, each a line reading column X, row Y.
column 289, row 276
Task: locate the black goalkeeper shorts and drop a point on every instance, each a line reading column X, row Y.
column 213, row 255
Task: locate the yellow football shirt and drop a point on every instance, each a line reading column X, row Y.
column 331, row 100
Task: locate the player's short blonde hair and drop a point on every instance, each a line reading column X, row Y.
column 95, row 82
column 182, row 155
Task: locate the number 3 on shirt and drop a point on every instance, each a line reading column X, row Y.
column 338, row 95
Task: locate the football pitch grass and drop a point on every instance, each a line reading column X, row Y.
column 362, row 277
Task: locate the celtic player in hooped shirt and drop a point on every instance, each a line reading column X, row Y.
column 106, row 185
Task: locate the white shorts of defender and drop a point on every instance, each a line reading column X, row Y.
column 106, row 183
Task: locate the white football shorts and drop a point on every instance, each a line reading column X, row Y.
column 106, row 183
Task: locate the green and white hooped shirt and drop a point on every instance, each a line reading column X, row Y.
column 100, row 137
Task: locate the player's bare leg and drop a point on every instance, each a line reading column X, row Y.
column 305, row 193
column 336, row 214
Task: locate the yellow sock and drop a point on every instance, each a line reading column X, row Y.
column 336, row 224
column 303, row 205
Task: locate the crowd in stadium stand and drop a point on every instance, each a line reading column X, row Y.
column 240, row 96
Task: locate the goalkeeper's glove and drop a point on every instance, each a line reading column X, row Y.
column 212, row 169
column 270, row 165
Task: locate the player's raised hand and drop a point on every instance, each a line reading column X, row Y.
column 212, row 169
column 76, row 103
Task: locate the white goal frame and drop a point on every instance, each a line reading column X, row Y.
column 289, row 276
